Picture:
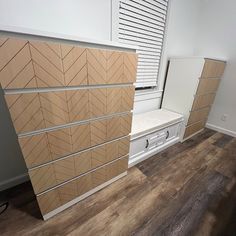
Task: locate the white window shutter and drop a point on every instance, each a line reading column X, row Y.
column 142, row 23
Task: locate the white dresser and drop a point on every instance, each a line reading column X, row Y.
column 152, row 132
column 190, row 89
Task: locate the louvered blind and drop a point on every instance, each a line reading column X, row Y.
column 142, row 23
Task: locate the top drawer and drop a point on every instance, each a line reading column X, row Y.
column 213, row 69
column 41, row 64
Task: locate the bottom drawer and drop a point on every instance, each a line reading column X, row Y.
column 198, row 115
column 146, row 143
column 191, row 129
column 65, row 193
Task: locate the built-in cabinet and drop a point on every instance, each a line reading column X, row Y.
column 190, row 89
column 152, row 132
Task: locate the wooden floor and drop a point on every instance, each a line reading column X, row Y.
column 188, row 189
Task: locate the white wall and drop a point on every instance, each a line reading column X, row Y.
column 217, row 38
column 83, row 18
column 181, row 31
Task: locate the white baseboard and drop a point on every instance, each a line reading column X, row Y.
column 221, row 130
column 78, row 199
column 13, row 181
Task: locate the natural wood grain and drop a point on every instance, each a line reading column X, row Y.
column 33, row 111
column 75, row 66
column 198, row 115
column 74, row 188
column 202, row 101
column 42, row 178
column 97, row 102
column 127, row 101
column 213, row 68
column 26, row 113
column 193, row 128
column 60, row 142
column 49, row 201
column 130, row 67
column 96, row 59
column 208, row 86
column 64, row 170
column 83, row 162
column 114, row 100
column 115, row 67
column 78, row 105
column 35, row 150
column 81, row 137
column 54, row 108
column 37, row 64
column 179, row 190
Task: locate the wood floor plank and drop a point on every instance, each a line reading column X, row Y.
column 187, row 189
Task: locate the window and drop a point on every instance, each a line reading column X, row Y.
column 142, row 23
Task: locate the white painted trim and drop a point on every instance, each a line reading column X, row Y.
column 32, row 32
column 221, row 130
column 68, row 204
column 147, row 94
column 115, row 20
column 68, row 88
column 145, row 156
column 13, row 181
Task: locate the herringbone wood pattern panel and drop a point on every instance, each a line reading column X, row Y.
column 75, row 65
column 130, row 67
column 16, row 68
column 49, row 201
column 96, row 59
column 33, row 111
column 78, row 105
column 35, row 149
column 36, row 64
column 75, row 188
column 47, row 63
column 42, row 178
column 39, row 64
column 115, row 69
column 26, row 113
column 54, row 107
column 72, row 166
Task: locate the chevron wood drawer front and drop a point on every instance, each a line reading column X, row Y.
column 48, row 176
column 34, row 111
column 41, row 148
column 35, row 150
column 38, row 64
column 59, row 196
column 111, row 67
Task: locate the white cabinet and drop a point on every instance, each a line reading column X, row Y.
column 153, row 132
column 190, row 89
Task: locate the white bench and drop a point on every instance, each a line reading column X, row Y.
column 152, row 132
